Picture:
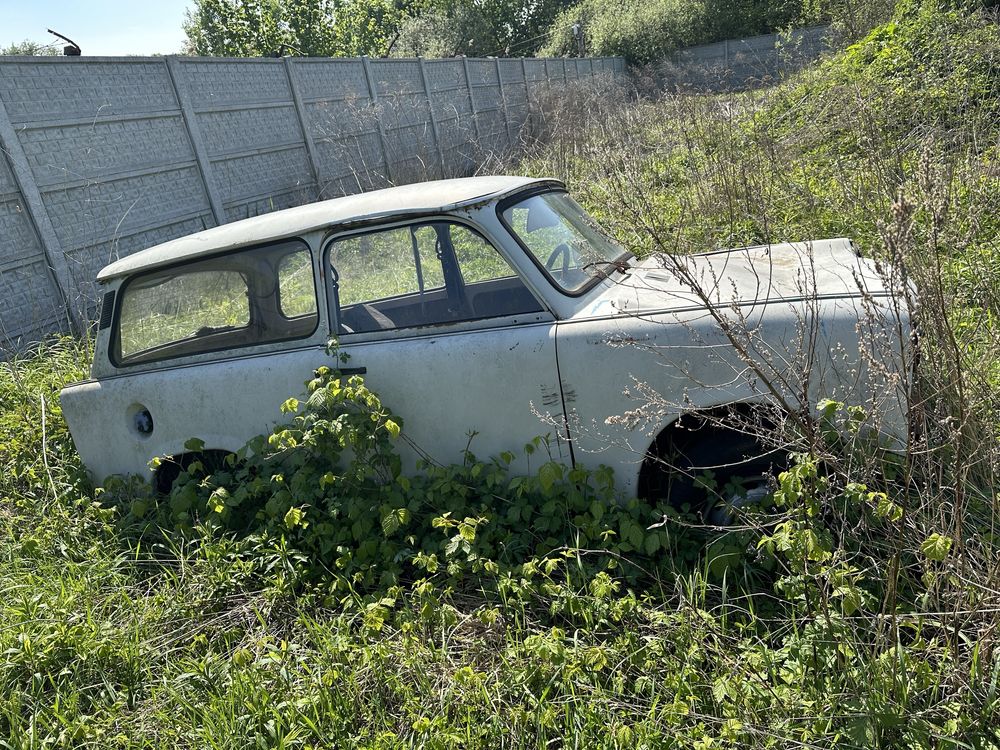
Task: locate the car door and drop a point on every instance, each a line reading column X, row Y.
column 449, row 336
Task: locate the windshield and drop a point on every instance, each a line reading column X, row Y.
column 567, row 242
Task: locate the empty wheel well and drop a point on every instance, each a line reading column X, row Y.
column 733, row 435
column 171, row 466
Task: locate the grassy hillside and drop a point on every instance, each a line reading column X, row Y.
column 297, row 602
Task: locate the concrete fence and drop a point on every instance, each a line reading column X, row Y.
column 102, row 157
column 736, row 64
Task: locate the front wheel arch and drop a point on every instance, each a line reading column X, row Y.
column 736, row 440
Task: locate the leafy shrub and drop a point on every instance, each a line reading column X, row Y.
column 648, row 32
column 330, row 484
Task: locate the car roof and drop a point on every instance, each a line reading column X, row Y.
column 418, row 198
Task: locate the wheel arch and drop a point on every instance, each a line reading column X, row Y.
column 171, row 466
column 727, row 424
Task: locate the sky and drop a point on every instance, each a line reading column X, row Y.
column 100, row 27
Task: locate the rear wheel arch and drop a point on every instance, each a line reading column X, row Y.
column 170, row 467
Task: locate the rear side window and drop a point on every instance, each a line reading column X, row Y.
column 296, row 290
column 239, row 299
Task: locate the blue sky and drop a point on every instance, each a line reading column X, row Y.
column 100, row 27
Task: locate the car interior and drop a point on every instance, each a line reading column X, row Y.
column 455, row 300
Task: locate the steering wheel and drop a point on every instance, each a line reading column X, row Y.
column 562, row 249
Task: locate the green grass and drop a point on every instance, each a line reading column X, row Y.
column 295, row 602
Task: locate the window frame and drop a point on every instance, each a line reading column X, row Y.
column 333, row 297
column 114, row 344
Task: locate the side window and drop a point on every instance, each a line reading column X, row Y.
column 492, row 287
column 171, row 307
column 296, row 291
column 382, row 266
column 241, row 298
column 477, row 258
column 423, row 274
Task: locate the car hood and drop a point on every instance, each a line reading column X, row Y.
column 766, row 273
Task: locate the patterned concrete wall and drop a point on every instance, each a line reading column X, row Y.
column 737, row 64
column 102, row 157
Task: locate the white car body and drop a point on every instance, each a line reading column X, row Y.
column 562, row 369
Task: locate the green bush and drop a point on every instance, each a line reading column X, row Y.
column 329, row 483
column 648, row 32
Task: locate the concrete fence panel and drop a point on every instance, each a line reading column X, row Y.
column 736, row 64
column 102, row 157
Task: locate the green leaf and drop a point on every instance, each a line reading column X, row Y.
column 390, row 523
column 392, row 428
column 651, row 544
column 634, row 535
column 195, row 444
column 884, row 507
column 290, row 406
column 294, row 517
column 467, row 531
column 936, row 547
column 549, row 474
column 217, row 500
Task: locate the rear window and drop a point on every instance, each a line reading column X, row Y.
column 235, row 300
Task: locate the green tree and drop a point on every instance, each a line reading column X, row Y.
column 479, row 27
column 326, row 28
column 28, row 47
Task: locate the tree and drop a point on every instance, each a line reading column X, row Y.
column 326, row 28
column 445, row 32
column 28, row 47
column 479, row 27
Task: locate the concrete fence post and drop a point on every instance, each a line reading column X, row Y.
column 472, row 99
column 197, row 143
column 303, row 117
column 373, row 98
column 430, row 111
column 527, row 92
column 503, row 103
column 55, row 259
column 524, row 77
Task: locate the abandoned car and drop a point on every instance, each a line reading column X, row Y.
column 492, row 306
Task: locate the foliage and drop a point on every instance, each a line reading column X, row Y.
column 461, row 611
column 479, row 28
column 28, row 47
column 330, row 484
column 447, row 30
column 645, row 32
column 263, row 28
